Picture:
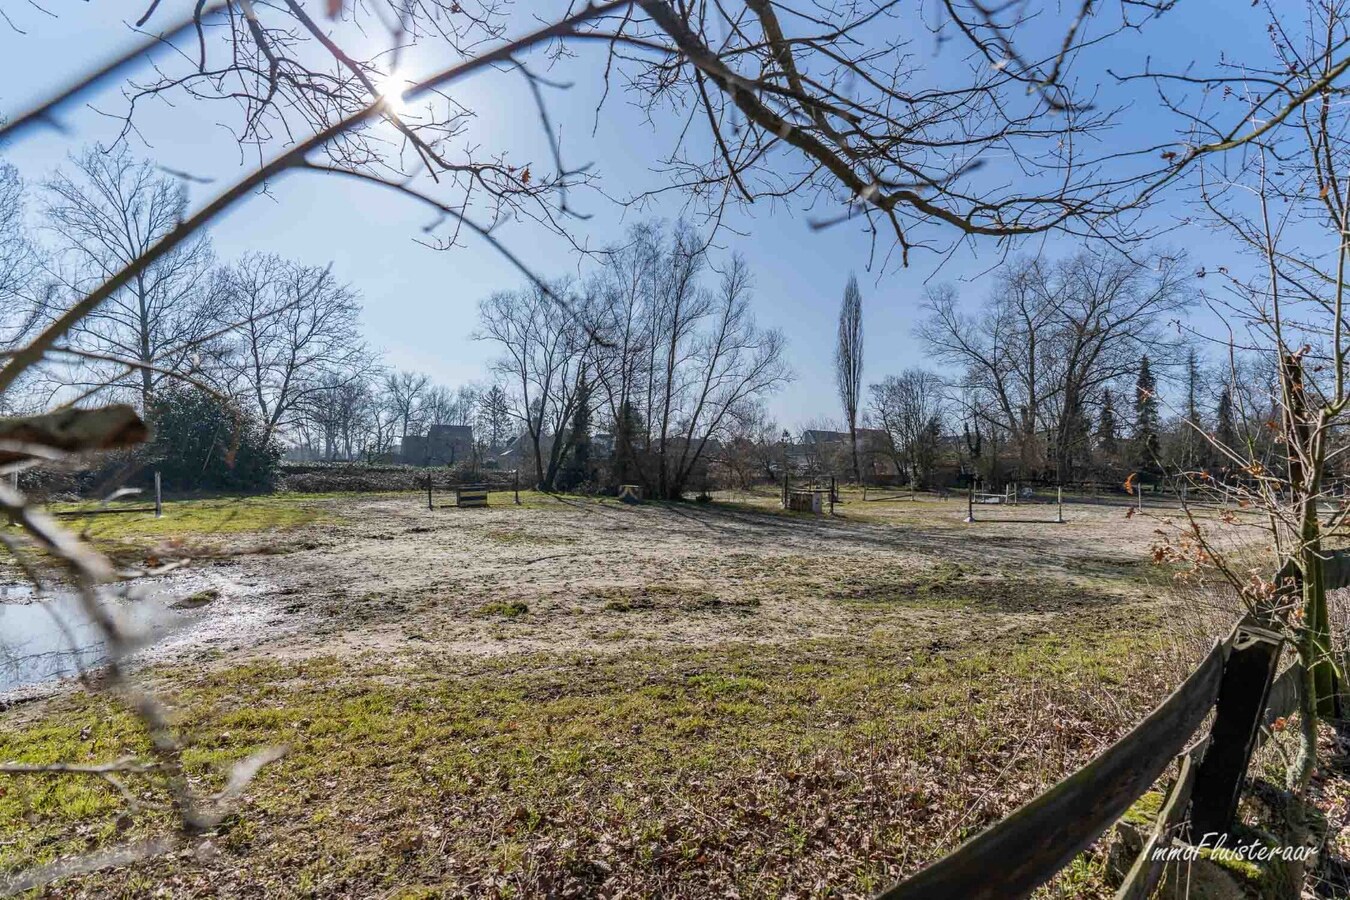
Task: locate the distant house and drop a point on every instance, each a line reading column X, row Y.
column 519, row 453
column 442, row 445
column 812, row 437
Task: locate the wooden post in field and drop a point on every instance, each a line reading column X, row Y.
column 159, row 501
column 1247, row 677
column 1139, row 492
column 970, row 503
column 832, row 495
column 1059, row 505
column 515, row 484
column 785, row 489
column 1017, row 489
column 429, row 506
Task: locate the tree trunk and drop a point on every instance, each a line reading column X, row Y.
column 853, row 443
column 1306, row 461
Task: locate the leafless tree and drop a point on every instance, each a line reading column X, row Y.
column 676, row 360
column 1051, row 336
column 716, row 359
column 437, row 406
column 848, row 364
column 404, row 393
column 545, row 345
column 911, row 408
column 18, row 260
column 104, row 215
column 1285, row 200
column 293, row 332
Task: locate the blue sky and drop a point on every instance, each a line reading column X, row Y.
column 420, row 304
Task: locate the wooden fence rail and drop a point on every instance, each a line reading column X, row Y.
column 1013, row 857
column 1236, row 681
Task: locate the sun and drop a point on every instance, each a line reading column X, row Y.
column 391, row 89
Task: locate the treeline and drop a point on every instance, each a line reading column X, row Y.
column 657, row 348
column 648, row 369
column 1066, row 370
column 266, row 348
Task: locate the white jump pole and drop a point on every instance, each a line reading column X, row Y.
column 1059, row 505
column 159, row 502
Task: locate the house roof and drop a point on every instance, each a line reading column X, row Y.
column 464, row 432
column 815, row 436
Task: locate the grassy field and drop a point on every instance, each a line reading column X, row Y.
column 578, row 698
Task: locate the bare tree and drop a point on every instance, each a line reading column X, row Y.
column 404, row 394
column 339, row 407
column 730, row 361
column 103, row 216
column 848, row 364
column 18, row 260
column 676, row 360
column 1050, row 337
column 910, row 408
column 544, row 348
column 293, row 333
column 1286, row 202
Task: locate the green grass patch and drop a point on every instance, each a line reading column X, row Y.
column 508, row 608
column 770, row 769
column 188, row 519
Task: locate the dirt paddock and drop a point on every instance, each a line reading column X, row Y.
column 561, row 574
column 575, row 697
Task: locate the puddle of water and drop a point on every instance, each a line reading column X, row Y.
column 47, row 639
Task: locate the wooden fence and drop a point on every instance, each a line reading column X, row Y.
column 1237, row 681
column 471, row 493
column 1018, row 854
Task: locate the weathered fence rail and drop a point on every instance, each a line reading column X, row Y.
column 1235, row 681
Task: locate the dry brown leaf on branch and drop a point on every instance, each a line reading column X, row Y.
column 72, row 431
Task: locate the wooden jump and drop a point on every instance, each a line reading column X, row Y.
column 473, row 495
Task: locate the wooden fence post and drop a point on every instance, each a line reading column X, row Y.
column 429, row 506
column 970, row 503
column 1059, row 505
column 832, row 495
column 1247, row 676
column 515, row 485
column 159, row 503
column 785, row 489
